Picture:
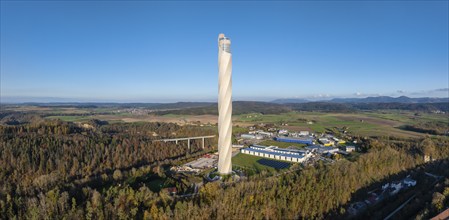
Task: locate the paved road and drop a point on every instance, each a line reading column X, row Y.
column 399, row 208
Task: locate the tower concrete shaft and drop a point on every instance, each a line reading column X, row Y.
column 224, row 105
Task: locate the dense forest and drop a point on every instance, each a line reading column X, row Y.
column 435, row 128
column 40, row 155
column 238, row 107
column 43, row 162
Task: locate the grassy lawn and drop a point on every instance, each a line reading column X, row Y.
column 250, row 161
column 239, row 130
column 281, row 144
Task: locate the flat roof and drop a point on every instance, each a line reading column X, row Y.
column 274, row 153
column 261, row 146
column 295, row 138
column 275, row 148
column 292, row 150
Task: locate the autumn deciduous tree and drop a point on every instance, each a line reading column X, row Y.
column 117, row 175
column 438, row 201
column 45, row 169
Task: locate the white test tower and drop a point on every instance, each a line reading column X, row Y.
column 224, row 105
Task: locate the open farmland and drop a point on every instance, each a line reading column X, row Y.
column 362, row 123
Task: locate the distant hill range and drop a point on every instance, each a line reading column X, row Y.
column 276, row 106
column 244, row 107
column 176, row 105
column 334, row 105
column 378, row 99
column 238, row 107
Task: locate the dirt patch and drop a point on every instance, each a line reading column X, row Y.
column 403, row 133
column 181, row 119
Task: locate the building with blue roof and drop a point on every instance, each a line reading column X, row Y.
column 307, row 141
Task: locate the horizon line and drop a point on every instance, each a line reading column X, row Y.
column 105, row 101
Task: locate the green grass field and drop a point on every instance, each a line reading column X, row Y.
column 239, row 130
column 375, row 123
column 250, row 162
column 281, row 144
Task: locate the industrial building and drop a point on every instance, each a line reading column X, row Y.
column 251, row 136
column 283, row 132
column 273, row 152
column 322, row 149
column 308, row 141
column 325, row 142
column 350, row 148
column 300, row 134
column 264, row 134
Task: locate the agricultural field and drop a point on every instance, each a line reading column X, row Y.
column 375, row 123
column 361, row 123
column 74, row 118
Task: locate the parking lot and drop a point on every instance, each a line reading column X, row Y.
column 203, row 162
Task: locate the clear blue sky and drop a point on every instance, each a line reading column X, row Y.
column 167, row 51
